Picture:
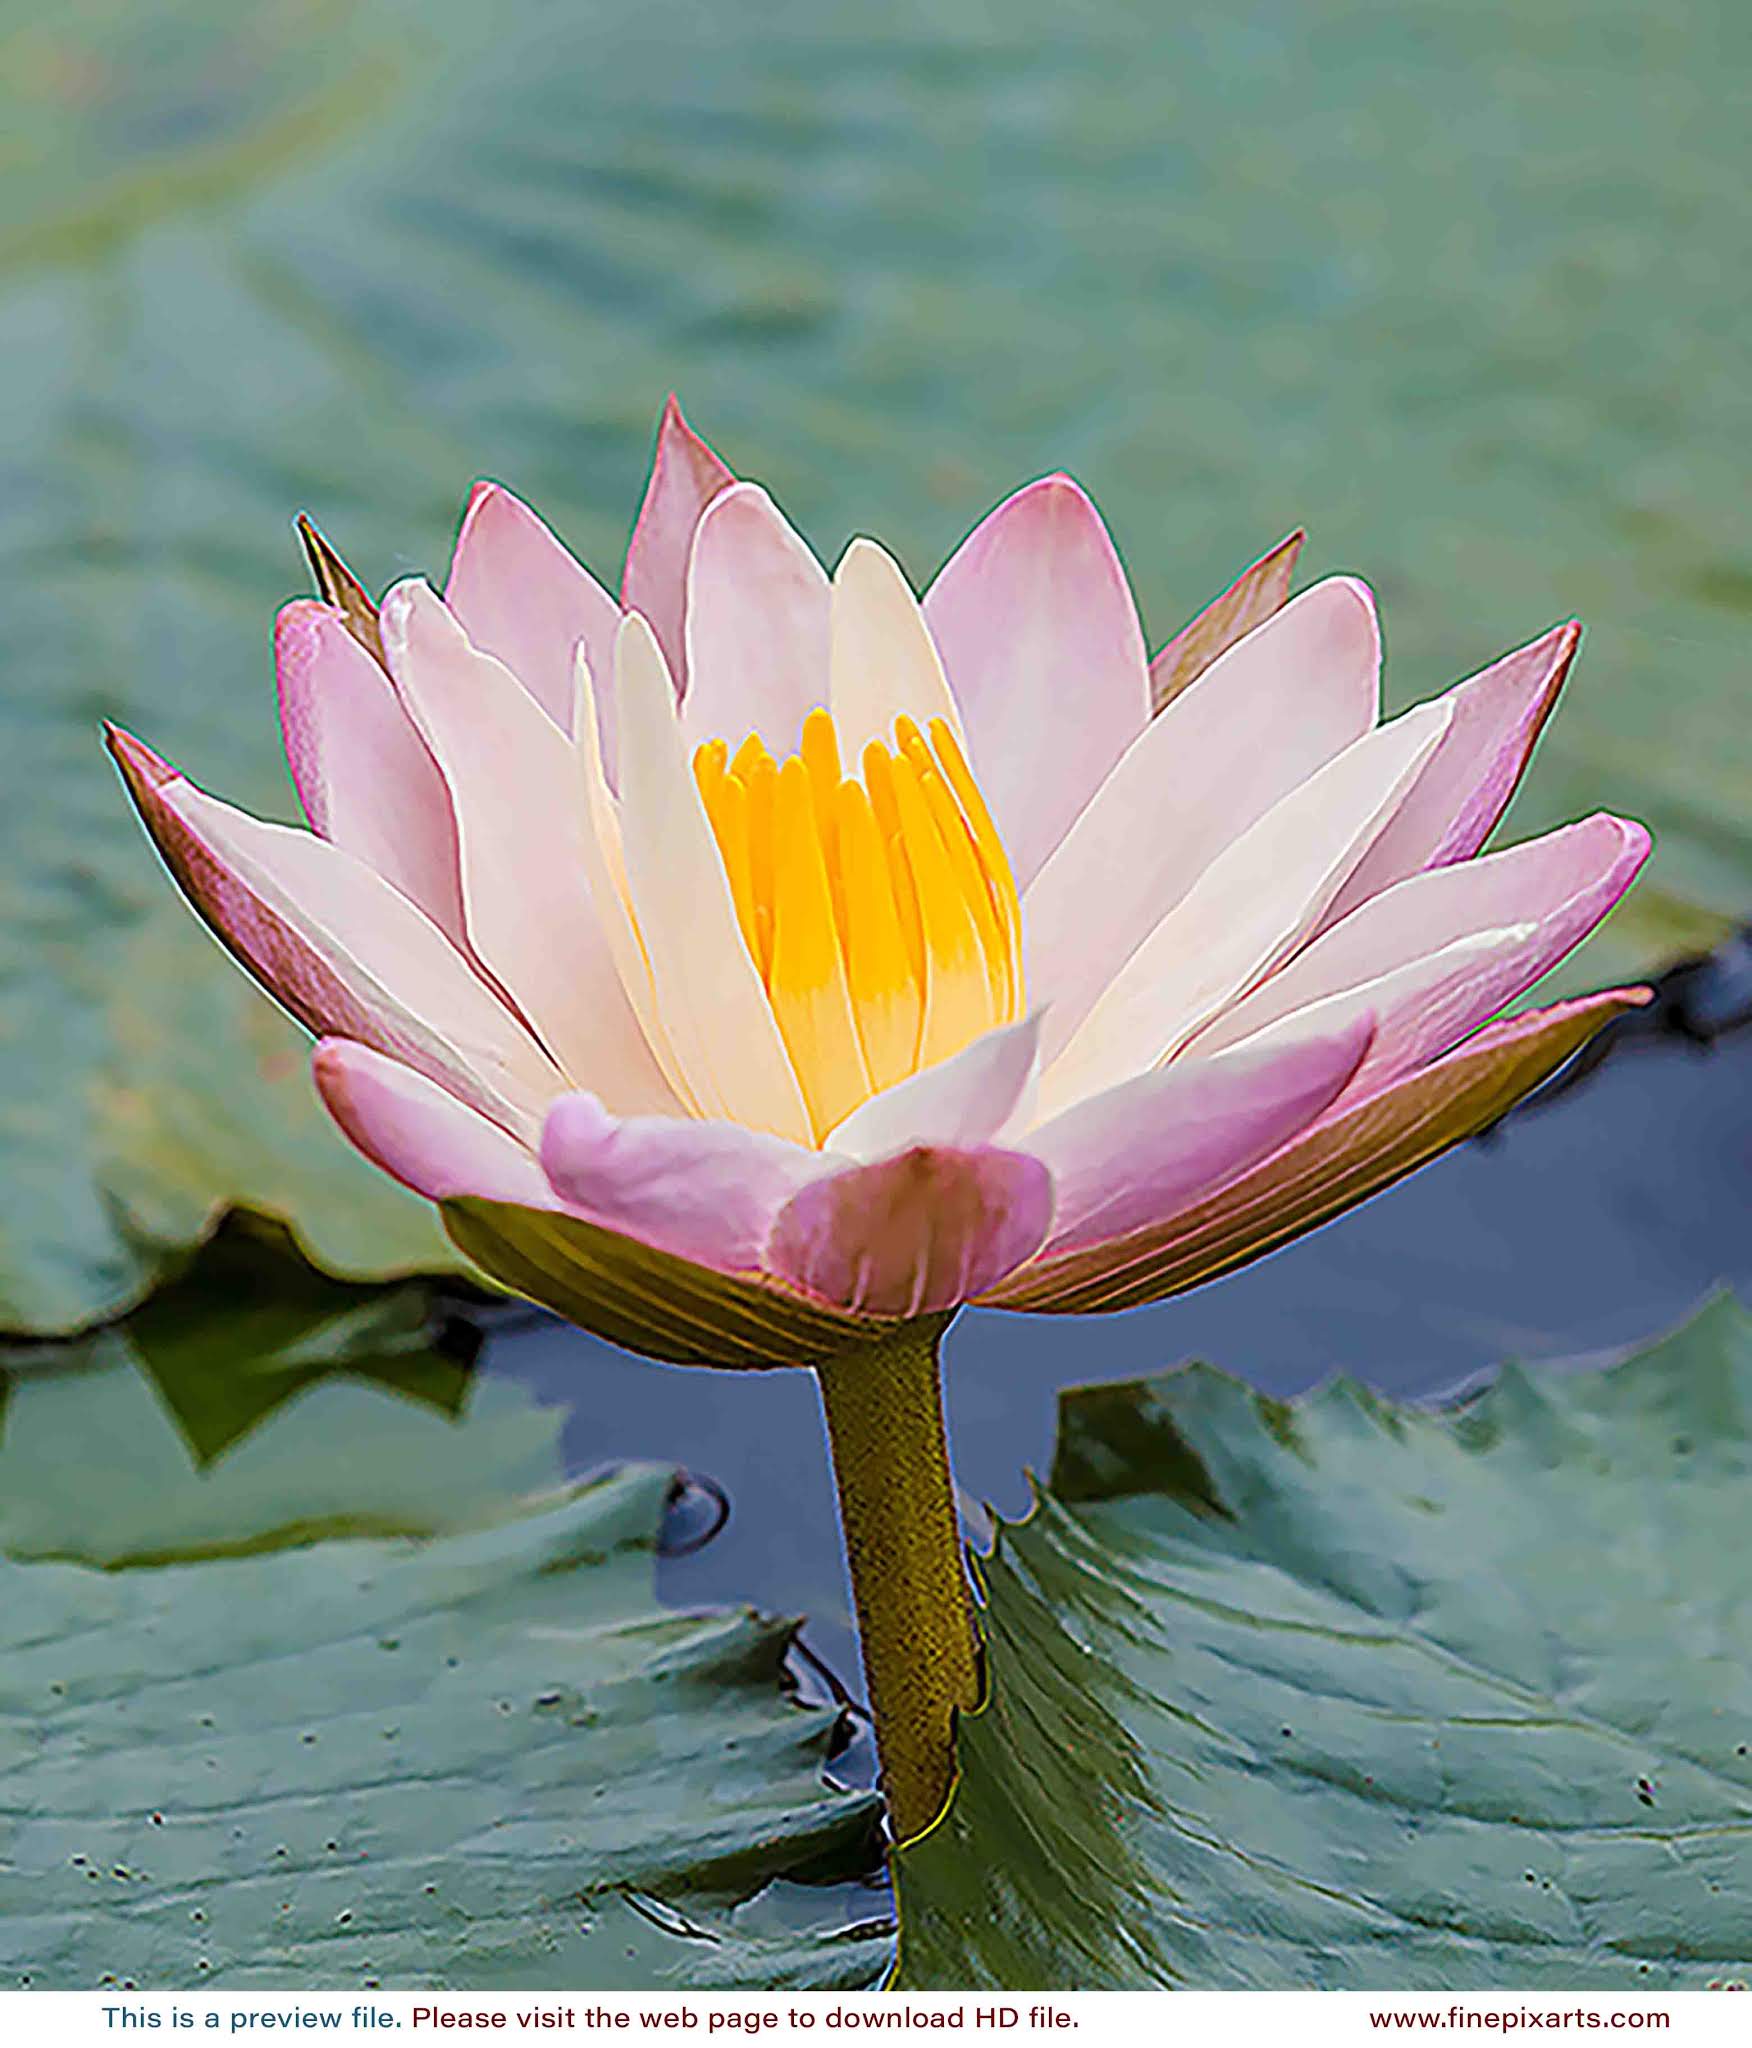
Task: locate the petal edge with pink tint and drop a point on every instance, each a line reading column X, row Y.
column 1126, row 1159
column 1438, row 954
column 916, row 1233
column 1345, row 1156
column 1455, row 804
column 1250, row 909
column 1039, row 635
column 685, row 477
column 366, row 778
column 757, row 628
column 706, row 1191
column 1254, row 596
column 521, row 596
column 419, row 1133
column 337, row 946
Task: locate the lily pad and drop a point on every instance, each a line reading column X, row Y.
column 1443, row 288
column 1343, row 1694
column 372, row 1694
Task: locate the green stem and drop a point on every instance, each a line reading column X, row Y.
column 884, row 1408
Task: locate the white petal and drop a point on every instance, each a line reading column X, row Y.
column 1255, row 902
column 1439, row 953
column 605, row 864
column 884, row 662
column 966, row 1100
column 1282, row 702
column 521, row 829
column 710, row 997
column 757, row 625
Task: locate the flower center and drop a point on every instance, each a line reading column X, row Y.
column 878, row 908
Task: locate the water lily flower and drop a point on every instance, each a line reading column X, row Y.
column 763, row 964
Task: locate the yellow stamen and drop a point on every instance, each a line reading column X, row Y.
column 760, row 779
column 880, row 912
column 992, row 857
column 959, row 844
column 880, row 973
column 807, row 984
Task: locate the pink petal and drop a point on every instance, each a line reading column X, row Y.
column 1454, row 805
column 1263, row 718
column 1146, row 1149
column 962, row 1101
column 420, row 1133
column 521, row 823
column 685, row 477
column 364, row 775
column 1038, row 632
column 522, row 598
column 915, row 1233
column 1247, row 603
column 757, row 625
column 1355, row 1150
column 346, row 953
column 1435, row 956
column 706, row 1191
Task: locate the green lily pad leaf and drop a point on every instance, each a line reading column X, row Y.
column 410, row 1763
column 373, row 1694
column 1343, row 1694
column 248, row 269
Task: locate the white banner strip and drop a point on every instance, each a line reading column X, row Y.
column 1296, row 2019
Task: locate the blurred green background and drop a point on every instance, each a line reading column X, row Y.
column 1461, row 286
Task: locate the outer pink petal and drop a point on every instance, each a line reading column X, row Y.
column 420, row 1133
column 1040, row 637
column 1144, row 1150
column 364, row 775
column 1357, row 1148
column 524, row 599
column 915, row 1233
column 1403, row 955
column 961, row 1101
column 757, row 625
column 343, row 951
column 1456, row 802
column 685, row 477
column 521, row 820
column 1248, row 602
column 706, row 1191
column 1261, row 719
